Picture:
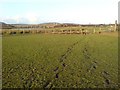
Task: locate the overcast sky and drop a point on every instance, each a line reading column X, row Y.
column 62, row 11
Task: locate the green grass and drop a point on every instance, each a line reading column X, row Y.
column 48, row 61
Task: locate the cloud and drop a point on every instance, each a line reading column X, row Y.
column 29, row 18
column 32, row 17
column 19, row 20
column 18, row 1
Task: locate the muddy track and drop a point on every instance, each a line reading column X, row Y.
column 62, row 58
column 106, row 80
column 94, row 65
column 86, row 54
column 88, row 58
column 68, row 52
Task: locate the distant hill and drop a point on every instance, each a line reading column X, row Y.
column 45, row 25
column 5, row 26
column 2, row 23
column 42, row 25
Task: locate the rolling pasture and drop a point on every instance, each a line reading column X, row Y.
column 60, row 61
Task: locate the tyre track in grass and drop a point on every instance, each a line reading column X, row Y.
column 94, row 65
column 88, row 57
column 62, row 58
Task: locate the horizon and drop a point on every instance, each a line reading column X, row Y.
column 60, row 11
column 60, row 23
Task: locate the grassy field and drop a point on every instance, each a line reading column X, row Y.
column 57, row 61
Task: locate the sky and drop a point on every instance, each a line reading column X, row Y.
column 61, row 11
column 119, row 12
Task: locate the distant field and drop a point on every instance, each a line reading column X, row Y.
column 58, row 61
column 58, row 30
column 114, row 34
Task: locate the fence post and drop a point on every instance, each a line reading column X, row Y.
column 94, row 30
column 115, row 25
